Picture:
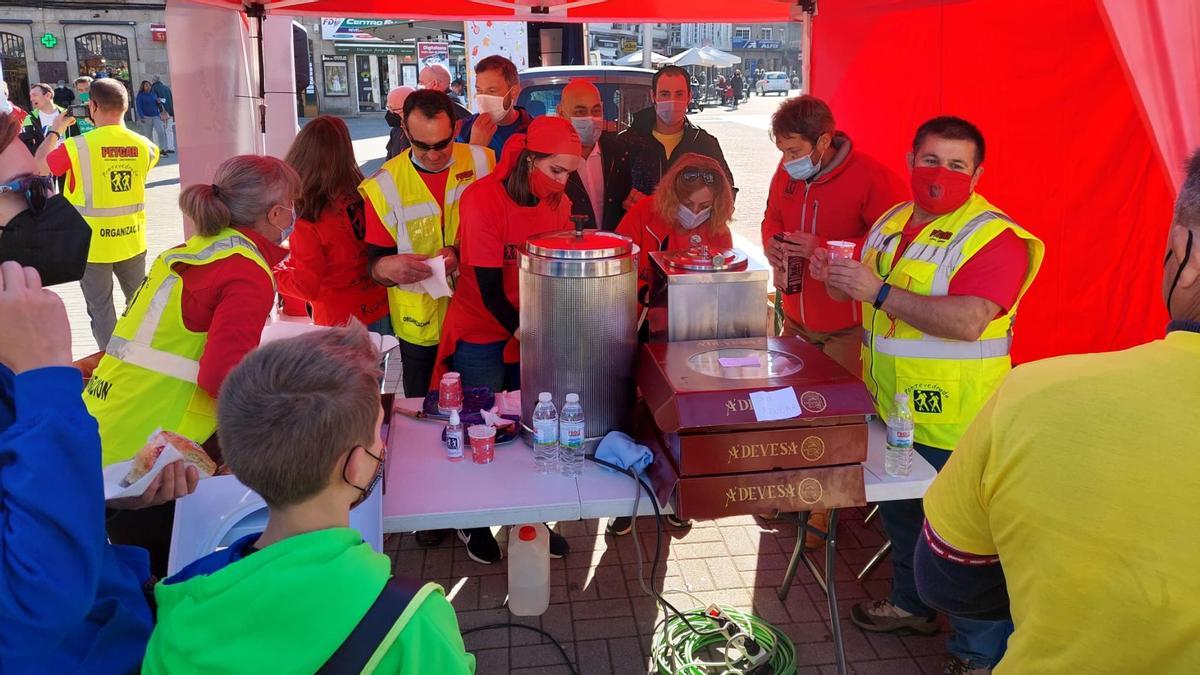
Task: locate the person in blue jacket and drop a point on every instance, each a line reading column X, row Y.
column 69, row 601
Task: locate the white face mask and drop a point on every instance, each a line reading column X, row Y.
column 588, row 128
column 670, row 112
column 492, row 106
column 690, row 219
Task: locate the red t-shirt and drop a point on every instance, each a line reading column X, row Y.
column 328, row 267
column 230, row 300
column 378, row 235
column 493, row 229
column 996, row 272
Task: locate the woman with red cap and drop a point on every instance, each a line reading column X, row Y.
column 693, row 200
column 522, row 197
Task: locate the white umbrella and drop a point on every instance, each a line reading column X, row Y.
column 693, row 56
column 635, row 59
column 724, row 59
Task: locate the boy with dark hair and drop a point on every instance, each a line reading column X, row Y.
column 308, row 587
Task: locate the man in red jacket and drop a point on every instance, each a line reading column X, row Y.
column 822, row 191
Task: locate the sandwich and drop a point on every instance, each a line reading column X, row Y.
column 192, row 453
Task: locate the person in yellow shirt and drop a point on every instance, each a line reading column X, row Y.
column 1070, row 503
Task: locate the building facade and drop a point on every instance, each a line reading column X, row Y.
column 611, row 41
column 687, row 35
column 48, row 42
column 768, row 46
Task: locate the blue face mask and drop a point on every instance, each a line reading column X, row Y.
column 801, row 169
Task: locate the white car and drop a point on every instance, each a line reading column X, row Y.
column 774, row 81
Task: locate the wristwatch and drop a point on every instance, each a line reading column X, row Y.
column 882, row 295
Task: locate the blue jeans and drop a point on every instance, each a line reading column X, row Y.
column 980, row 643
column 482, row 365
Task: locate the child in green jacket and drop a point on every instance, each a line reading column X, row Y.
column 299, row 423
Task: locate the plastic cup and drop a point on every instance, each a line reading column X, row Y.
column 841, row 250
column 483, row 443
column 450, row 393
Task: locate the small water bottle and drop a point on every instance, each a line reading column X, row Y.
column 545, row 434
column 898, row 458
column 571, row 429
column 528, row 569
column 454, row 438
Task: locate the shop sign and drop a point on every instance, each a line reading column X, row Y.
column 49, row 40
column 353, row 30
column 743, row 43
column 158, row 32
column 629, row 46
column 380, row 49
column 433, row 54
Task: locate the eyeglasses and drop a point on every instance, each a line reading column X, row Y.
column 699, row 175
column 430, row 147
column 35, row 190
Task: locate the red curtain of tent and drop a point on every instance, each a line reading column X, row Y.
column 1070, row 152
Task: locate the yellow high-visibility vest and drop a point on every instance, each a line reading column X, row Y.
column 947, row 381
column 110, row 165
column 411, row 215
column 148, row 377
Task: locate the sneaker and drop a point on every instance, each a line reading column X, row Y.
column 881, row 616
column 430, row 538
column 677, row 522
column 558, row 545
column 481, row 545
column 956, row 666
column 619, row 527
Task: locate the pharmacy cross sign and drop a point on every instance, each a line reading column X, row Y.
column 49, row 40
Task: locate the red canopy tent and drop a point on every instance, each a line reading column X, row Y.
column 1089, row 108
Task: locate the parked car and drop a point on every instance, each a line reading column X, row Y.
column 774, row 81
column 623, row 90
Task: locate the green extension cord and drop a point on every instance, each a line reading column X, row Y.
column 676, row 649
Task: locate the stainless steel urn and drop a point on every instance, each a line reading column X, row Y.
column 579, row 325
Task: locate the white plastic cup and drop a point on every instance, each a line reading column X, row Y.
column 841, row 250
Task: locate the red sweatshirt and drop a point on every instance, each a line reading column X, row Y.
column 328, row 267
column 230, row 300
column 842, row 202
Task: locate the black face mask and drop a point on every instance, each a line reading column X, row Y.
column 1187, row 254
column 366, row 491
column 393, row 120
column 54, row 241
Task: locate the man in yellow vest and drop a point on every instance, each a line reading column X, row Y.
column 940, row 280
column 412, row 217
column 105, row 172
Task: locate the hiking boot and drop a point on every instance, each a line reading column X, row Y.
column 481, row 545
column 956, row 666
column 881, row 616
column 558, row 545
column 619, row 527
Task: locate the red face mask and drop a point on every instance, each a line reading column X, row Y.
column 939, row 190
column 543, row 186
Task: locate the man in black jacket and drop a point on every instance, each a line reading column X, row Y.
column 662, row 134
column 599, row 187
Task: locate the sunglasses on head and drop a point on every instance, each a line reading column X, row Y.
column 35, row 190
column 428, row 147
column 694, row 175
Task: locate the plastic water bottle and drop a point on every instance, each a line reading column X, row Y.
column 898, row 458
column 454, row 438
column 570, row 437
column 545, row 434
column 528, row 569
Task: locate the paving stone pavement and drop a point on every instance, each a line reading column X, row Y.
column 605, row 622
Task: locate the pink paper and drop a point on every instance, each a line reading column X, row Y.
column 738, row 361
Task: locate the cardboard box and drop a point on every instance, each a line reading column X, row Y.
column 767, row 449
column 718, row 496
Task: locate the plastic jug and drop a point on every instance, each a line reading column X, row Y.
column 529, row 569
